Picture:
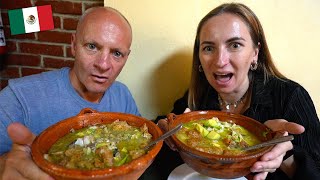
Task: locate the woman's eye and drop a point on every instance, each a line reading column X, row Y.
column 208, row 48
column 235, row 45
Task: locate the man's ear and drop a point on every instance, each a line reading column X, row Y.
column 73, row 45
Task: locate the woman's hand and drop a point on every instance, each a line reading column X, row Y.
column 18, row 163
column 163, row 125
column 272, row 160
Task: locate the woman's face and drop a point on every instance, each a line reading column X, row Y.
column 226, row 52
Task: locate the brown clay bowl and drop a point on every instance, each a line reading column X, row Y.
column 131, row 170
column 220, row 166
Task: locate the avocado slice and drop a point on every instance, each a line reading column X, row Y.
column 213, row 135
column 203, row 131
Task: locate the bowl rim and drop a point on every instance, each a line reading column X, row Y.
column 86, row 113
column 207, row 156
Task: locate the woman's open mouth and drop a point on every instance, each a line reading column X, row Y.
column 223, row 78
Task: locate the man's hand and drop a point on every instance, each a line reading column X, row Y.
column 272, row 160
column 18, row 162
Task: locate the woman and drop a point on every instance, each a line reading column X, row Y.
column 233, row 71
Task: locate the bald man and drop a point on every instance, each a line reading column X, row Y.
column 28, row 105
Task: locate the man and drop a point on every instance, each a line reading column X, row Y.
column 28, row 105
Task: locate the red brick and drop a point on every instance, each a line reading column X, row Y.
column 57, row 63
column 89, row 5
column 33, row 48
column 2, row 62
column 63, row 7
column 55, row 36
column 5, row 18
column 15, row 4
column 23, row 60
column 7, row 33
column 30, row 71
column 3, row 83
column 70, row 23
column 69, row 54
column 11, row 46
column 57, row 22
column 10, row 72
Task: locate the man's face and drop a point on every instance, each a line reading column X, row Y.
column 101, row 47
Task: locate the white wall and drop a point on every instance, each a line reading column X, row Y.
column 158, row 69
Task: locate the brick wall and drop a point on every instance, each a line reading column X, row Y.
column 42, row 51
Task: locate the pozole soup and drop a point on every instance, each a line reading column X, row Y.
column 216, row 137
column 100, row 146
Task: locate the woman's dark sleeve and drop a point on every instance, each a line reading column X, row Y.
column 300, row 109
column 181, row 104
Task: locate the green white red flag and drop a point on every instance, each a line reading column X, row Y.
column 31, row 19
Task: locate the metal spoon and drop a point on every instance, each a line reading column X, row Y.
column 165, row 135
column 271, row 142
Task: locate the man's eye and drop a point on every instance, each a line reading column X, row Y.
column 91, row 46
column 117, row 54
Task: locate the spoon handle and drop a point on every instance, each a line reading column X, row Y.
column 271, row 142
column 165, row 135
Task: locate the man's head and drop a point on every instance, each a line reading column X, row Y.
column 101, row 46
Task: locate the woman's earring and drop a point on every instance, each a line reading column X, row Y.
column 200, row 68
column 253, row 66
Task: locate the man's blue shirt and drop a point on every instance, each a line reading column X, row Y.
column 41, row 100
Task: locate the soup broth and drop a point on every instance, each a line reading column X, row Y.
column 100, row 146
column 216, row 137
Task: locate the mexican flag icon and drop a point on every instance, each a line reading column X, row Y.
column 31, row 19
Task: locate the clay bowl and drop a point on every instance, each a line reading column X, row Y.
column 131, row 170
column 220, row 166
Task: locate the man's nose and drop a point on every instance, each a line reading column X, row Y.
column 104, row 61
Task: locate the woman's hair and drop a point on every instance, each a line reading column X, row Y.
column 199, row 84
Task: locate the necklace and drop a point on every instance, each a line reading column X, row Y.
column 228, row 105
